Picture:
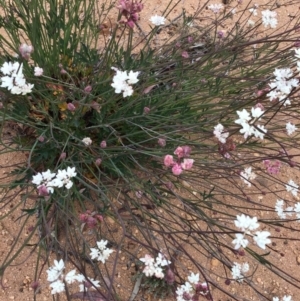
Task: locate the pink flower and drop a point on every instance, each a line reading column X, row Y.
column 87, row 89
column 176, row 169
column 43, row 190
column 98, row 161
column 168, row 160
column 272, row 167
column 182, row 151
column 187, row 164
column 71, row 107
column 130, row 9
column 162, row 142
column 146, row 110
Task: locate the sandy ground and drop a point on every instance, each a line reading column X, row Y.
column 17, row 279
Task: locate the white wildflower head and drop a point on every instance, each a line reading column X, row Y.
column 292, row 187
column 87, row 141
column 269, row 18
column 220, row 134
column 247, row 175
column 238, row 271
column 157, row 20
column 101, row 253
column 290, row 128
column 216, row 8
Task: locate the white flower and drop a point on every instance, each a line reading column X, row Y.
column 57, row 287
column 55, row 271
column 193, row 278
column 287, row 298
column 279, row 209
column 246, row 223
column 48, row 175
column 71, row 277
column 251, row 23
column 247, row 175
column 69, row 184
column 260, row 132
column 158, row 273
column 71, row 172
column 244, row 117
column 292, row 187
column 161, row 260
column 38, row 71
column 95, row 283
column 37, row 179
column 256, row 112
column 102, row 253
column 219, row 133
column 261, row 238
column 240, row 241
column 238, row 271
column 269, row 18
column 245, row 267
column 290, row 128
column 87, row 141
column 147, row 260
column 132, row 77
column 215, row 7
column 297, row 53
column 157, row 20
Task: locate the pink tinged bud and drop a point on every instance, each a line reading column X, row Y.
column 130, row 23
column 187, row 164
column 34, row 285
column 146, row 110
column 161, row 142
column 176, row 169
column 25, row 51
column 259, row 105
column 297, row 44
column 103, row 144
column 95, row 106
column 220, row 34
column 99, row 217
column 63, row 71
column 168, row 160
column 190, row 39
column 169, row 276
column 83, row 217
column 43, row 191
column 98, row 161
column 185, row 55
column 139, row 194
column 71, row 107
column 87, row 89
column 1, row 105
column 62, row 156
column 169, row 185
column 260, row 93
column 182, row 151
column 91, row 222
column 41, row 138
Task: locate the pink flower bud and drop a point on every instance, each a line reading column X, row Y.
column 62, row 156
column 43, row 191
column 25, row 51
column 71, row 107
column 185, row 55
column 190, row 39
column 161, row 142
column 88, row 89
column 146, row 110
column 41, row 138
column 63, row 71
column 98, row 161
column 169, row 276
column 103, row 144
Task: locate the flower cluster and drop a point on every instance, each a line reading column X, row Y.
column 220, row 134
column 130, row 9
column 247, row 122
column 269, row 18
column 122, row 81
column 57, row 278
column 101, row 253
column 91, row 219
column 154, row 267
column 247, row 225
column 282, row 213
column 285, row 298
column 247, row 175
column 290, row 128
column 215, row 8
column 46, row 181
column 157, row 20
column 238, row 271
column 282, row 85
column 292, row 187
column 272, row 167
column 13, row 78
column 182, row 163
column 87, row 141
column 25, row 51
column 192, row 289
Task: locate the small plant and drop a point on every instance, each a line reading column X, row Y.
column 159, row 147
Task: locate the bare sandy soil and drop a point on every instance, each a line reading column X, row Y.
column 18, row 278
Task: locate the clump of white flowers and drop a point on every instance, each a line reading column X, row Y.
column 247, row 122
column 57, row 279
column 101, row 253
column 220, row 134
column 87, row 141
column 292, row 187
column 247, row 224
column 215, row 8
column 123, row 80
column 154, row 267
column 284, row 298
column 157, row 20
column 269, row 18
column 46, row 181
column 247, row 175
column 13, row 78
column 192, row 289
column 238, row 271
